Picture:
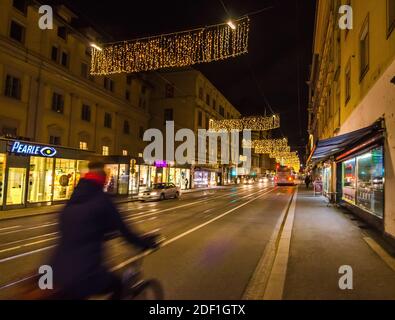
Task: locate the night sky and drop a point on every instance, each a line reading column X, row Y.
column 276, row 67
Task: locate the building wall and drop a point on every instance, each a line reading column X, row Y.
column 372, row 94
column 32, row 114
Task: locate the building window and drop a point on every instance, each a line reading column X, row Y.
column 20, row 5
column 105, row 150
column 54, row 140
column 83, row 145
column 124, row 152
column 57, row 103
column 208, row 99
column 141, row 133
column 62, row 32
column 222, row 111
column 9, row 132
column 227, row 115
column 109, row 84
column 169, row 91
column 364, row 48
column 168, row 115
column 200, row 119
column 214, row 104
column 127, row 95
column 86, row 113
column 65, row 59
column 126, row 127
column 107, row 120
column 201, row 93
column 54, row 53
column 143, row 89
column 348, row 81
column 391, row 15
column 207, row 122
column 129, row 80
column 17, row 32
column 84, row 70
column 12, row 87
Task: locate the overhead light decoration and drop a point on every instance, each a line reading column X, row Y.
column 250, row 123
column 179, row 49
column 271, row 150
column 96, row 47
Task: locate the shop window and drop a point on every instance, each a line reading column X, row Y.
column 17, row 32
column 16, row 186
column 54, row 140
column 112, row 178
column 86, row 113
column 40, row 179
column 106, row 150
column 123, row 179
column 65, row 179
column 57, row 102
column 2, row 176
column 12, row 87
column 20, row 5
column 349, row 180
column 107, row 120
column 370, row 185
column 83, row 145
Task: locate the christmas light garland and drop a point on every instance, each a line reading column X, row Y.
column 178, row 49
column 251, row 123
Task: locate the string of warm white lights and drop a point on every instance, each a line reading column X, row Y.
column 177, row 49
column 251, row 123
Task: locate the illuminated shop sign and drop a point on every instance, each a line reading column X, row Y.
column 33, row 150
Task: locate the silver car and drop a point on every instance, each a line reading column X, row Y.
column 160, row 191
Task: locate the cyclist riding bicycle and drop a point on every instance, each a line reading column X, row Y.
column 88, row 217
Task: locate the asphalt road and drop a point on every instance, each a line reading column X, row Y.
column 214, row 241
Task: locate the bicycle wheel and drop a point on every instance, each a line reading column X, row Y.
column 148, row 290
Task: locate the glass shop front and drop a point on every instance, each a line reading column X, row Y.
column 363, row 181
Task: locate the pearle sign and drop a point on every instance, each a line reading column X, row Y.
column 33, row 150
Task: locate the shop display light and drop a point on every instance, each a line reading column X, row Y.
column 179, row 49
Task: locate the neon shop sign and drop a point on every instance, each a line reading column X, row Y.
column 32, row 150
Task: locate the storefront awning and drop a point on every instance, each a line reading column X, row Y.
column 327, row 148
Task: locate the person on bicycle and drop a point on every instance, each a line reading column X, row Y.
column 88, row 217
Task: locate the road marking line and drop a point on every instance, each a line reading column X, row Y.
column 275, row 286
column 8, row 228
column 27, row 245
column 27, row 239
column 26, row 254
column 167, row 242
column 390, row 261
column 31, row 228
column 256, row 287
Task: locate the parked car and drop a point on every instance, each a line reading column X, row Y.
column 160, row 191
